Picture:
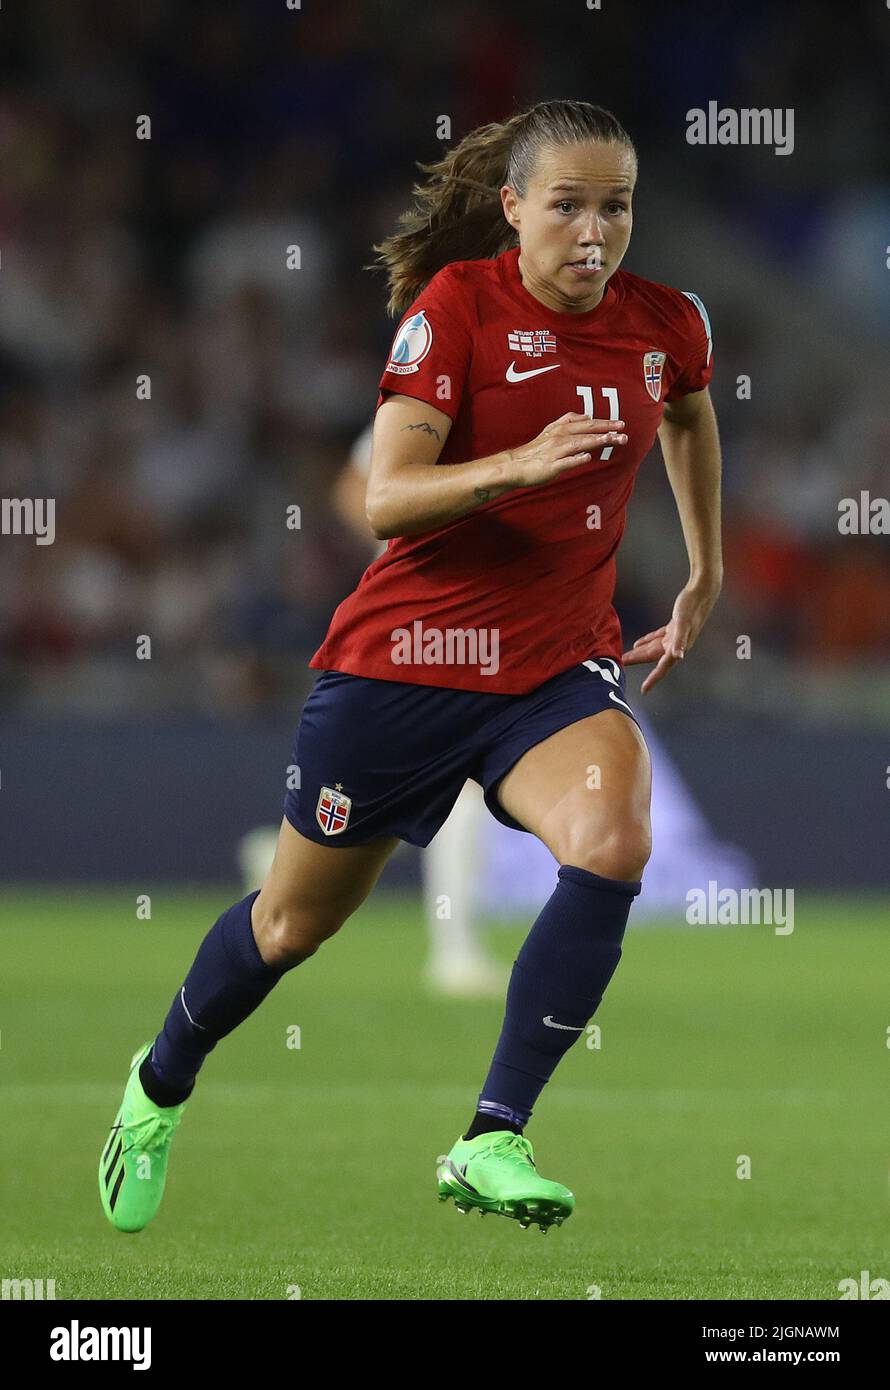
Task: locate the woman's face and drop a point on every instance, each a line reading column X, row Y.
column 577, row 209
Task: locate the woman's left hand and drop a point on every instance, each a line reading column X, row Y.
column 668, row 645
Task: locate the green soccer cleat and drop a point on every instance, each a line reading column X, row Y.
column 496, row 1172
column 133, row 1166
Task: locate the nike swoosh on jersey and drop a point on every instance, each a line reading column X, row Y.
column 570, row 1028
column 513, row 375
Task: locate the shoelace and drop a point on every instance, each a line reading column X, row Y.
column 514, row 1147
column 150, row 1133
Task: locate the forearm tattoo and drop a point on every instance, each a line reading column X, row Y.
column 482, row 493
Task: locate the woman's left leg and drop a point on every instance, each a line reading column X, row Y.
column 585, row 792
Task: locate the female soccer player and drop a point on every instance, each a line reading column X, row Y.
column 526, row 383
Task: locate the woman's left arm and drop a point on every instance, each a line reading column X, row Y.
column 691, row 447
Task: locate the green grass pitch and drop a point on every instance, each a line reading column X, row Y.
column 313, row 1169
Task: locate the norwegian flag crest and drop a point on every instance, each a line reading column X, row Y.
column 332, row 811
column 653, row 366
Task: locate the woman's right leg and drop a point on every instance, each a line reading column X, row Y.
column 310, row 891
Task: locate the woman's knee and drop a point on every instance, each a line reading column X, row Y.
column 620, row 851
column 288, row 932
column 310, row 891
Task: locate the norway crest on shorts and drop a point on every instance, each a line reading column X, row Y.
column 332, row 811
column 653, row 366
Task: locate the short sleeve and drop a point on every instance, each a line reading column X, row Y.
column 699, row 363
column 431, row 352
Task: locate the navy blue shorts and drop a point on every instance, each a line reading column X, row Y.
column 379, row 758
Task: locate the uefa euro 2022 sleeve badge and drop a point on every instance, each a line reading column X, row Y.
column 412, row 343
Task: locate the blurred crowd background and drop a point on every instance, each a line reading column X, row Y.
column 272, row 127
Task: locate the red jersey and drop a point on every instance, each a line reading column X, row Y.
column 520, row 589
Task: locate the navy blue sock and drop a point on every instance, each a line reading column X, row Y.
column 227, row 981
column 558, row 980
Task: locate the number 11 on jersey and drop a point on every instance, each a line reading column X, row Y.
column 611, row 395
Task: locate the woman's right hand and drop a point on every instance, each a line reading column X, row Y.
column 563, row 444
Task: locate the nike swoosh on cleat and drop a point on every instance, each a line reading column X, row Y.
column 569, row 1027
column 513, row 375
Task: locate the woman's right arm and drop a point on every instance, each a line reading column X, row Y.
column 408, row 495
